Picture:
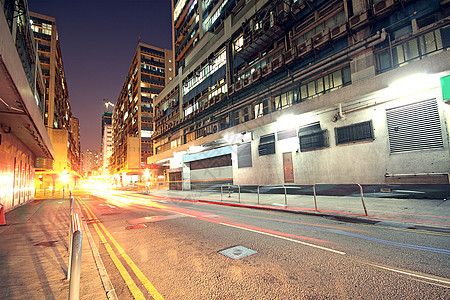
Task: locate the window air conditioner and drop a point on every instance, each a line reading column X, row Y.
column 304, row 48
column 359, row 20
column 382, row 7
column 277, row 62
column 266, row 70
column 338, row 31
column 321, row 38
column 290, row 55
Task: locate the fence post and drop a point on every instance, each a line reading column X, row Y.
column 239, row 193
column 362, row 198
column 75, row 266
column 258, row 194
column 314, row 191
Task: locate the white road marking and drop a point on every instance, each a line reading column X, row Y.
column 287, row 239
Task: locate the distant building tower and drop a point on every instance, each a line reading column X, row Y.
column 107, row 140
column 57, row 109
column 150, row 71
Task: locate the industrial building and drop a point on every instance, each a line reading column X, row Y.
column 151, row 69
column 305, row 92
column 23, row 137
column 107, row 140
column 62, row 129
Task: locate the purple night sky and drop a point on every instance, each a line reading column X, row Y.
column 98, row 40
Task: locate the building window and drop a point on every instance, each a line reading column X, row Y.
column 354, row 133
column 266, row 144
column 417, row 48
column 414, row 127
column 325, row 84
column 244, row 155
column 312, row 137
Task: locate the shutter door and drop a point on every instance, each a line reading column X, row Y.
column 414, row 127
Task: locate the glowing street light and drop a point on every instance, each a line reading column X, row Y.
column 64, row 179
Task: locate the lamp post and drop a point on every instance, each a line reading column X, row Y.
column 64, row 178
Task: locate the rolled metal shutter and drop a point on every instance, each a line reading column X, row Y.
column 414, row 127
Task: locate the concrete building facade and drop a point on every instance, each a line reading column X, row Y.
column 151, row 69
column 57, row 109
column 23, row 136
column 304, row 92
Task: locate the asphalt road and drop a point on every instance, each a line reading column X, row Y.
column 173, row 250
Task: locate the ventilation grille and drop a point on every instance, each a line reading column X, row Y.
column 414, row 127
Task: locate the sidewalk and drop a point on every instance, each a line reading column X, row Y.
column 34, row 254
column 433, row 214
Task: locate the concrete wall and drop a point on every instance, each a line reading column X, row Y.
column 360, row 162
column 16, row 170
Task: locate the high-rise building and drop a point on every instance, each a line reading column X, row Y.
column 304, row 92
column 24, row 140
column 57, row 110
column 107, row 139
column 92, row 162
column 151, row 69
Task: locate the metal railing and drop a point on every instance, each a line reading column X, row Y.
column 360, row 190
column 285, row 193
column 76, row 242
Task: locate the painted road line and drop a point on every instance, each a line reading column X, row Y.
column 286, row 238
column 109, row 288
column 147, row 284
column 433, row 279
column 135, row 291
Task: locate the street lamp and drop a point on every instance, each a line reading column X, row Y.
column 64, row 179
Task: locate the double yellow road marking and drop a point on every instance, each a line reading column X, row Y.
column 135, row 291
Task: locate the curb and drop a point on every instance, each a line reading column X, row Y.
column 342, row 218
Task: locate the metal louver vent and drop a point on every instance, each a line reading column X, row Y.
column 414, row 127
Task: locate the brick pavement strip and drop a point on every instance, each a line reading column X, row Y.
column 34, row 254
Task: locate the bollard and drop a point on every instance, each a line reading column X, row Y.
column 75, row 266
column 229, row 192
column 2, row 215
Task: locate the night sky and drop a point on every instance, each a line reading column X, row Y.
column 98, row 40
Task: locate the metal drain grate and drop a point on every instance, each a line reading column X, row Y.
column 237, row 252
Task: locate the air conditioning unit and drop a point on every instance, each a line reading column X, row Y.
column 304, row 48
column 266, row 70
column 321, row 38
column 338, row 31
column 277, row 62
column 256, row 75
column 290, row 55
column 382, row 7
column 298, row 6
column 238, row 85
column 358, row 20
column 282, row 11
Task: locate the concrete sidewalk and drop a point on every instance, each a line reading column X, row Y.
column 417, row 213
column 34, row 254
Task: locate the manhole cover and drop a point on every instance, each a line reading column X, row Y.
column 237, row 252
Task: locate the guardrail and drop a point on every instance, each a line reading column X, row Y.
column 76, row 242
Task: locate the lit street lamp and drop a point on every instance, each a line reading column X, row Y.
column 64, row 179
